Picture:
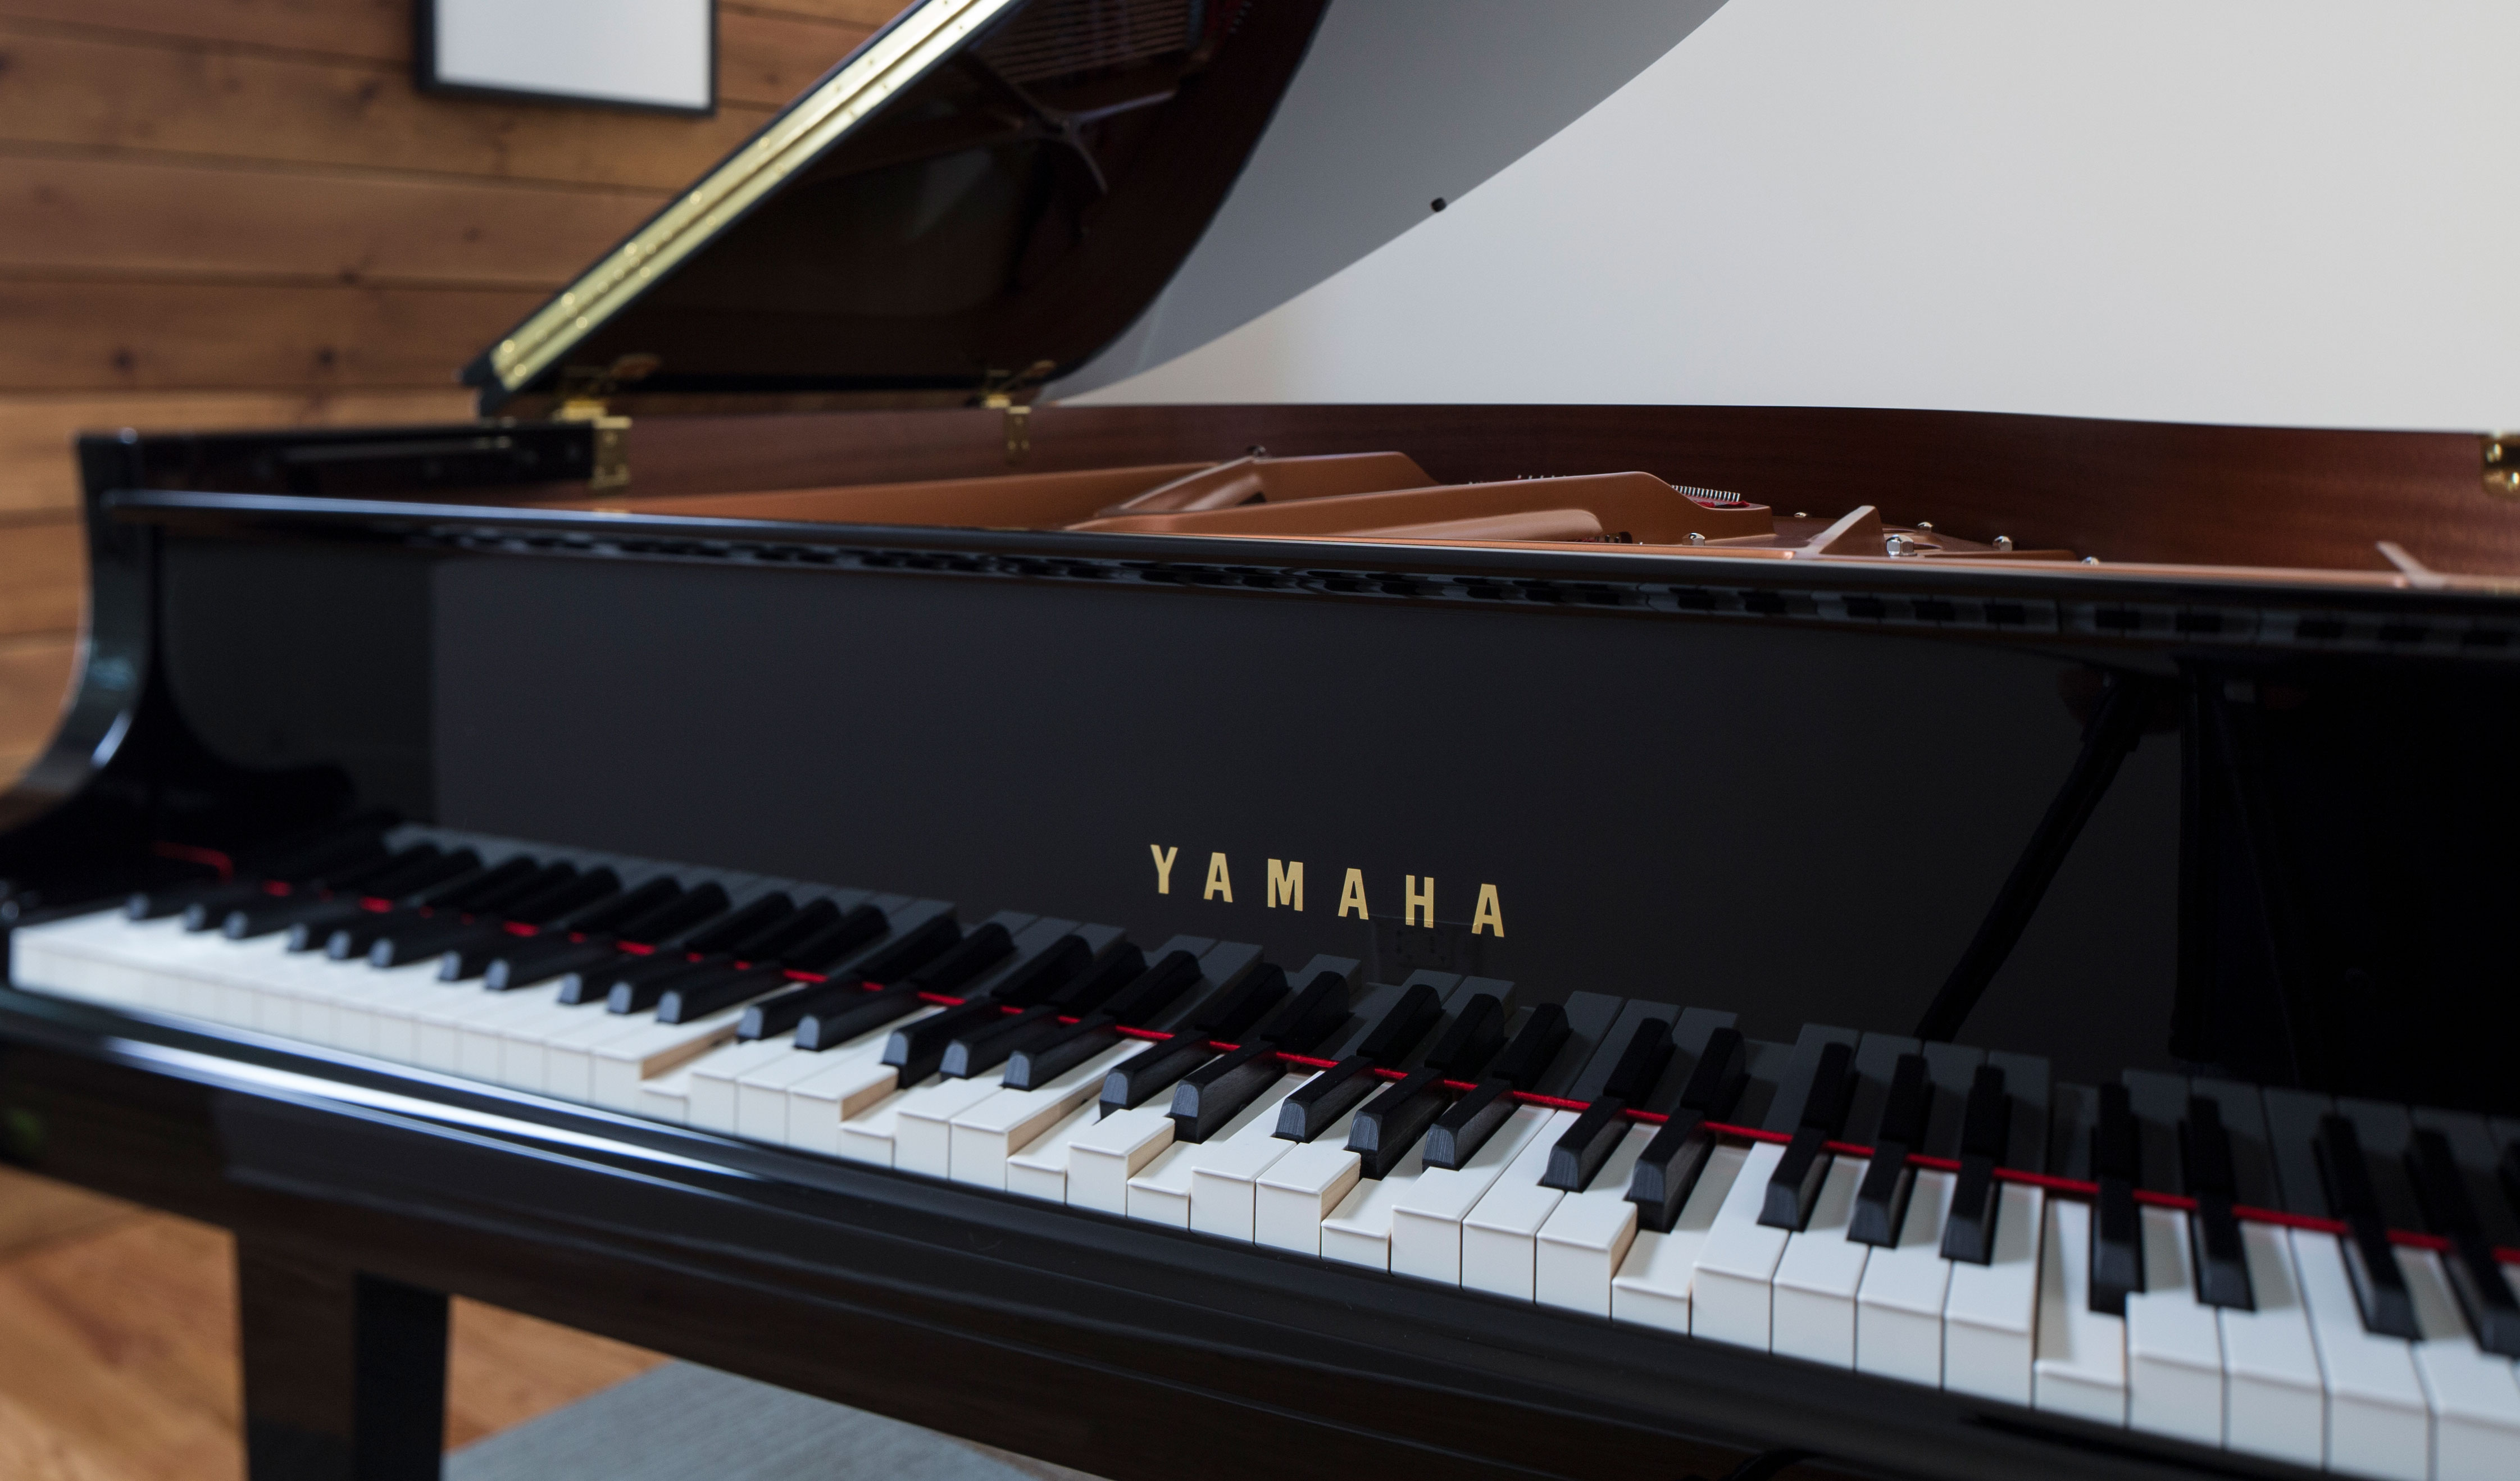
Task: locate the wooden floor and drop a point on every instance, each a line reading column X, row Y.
column 117, row 1347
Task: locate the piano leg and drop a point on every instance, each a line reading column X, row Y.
column 344, row 1373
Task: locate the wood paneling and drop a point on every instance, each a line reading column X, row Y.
column 188, row 100
column 37, row 473
column 765, row 56
column 219, row 213
column 43, row 582
column 117, row 1347
column 93, row 215
column 57, row 336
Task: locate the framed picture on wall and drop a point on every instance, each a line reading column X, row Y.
column 645, row 54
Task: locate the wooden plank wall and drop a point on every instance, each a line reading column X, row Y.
column 243, row 214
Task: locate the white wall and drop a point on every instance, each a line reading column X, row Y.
column 2271, row 211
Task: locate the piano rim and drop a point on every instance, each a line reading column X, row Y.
column 274, row 1109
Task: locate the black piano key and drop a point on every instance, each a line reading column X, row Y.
column 857, row 928
column 2025, row 1082
column 336, row 850
column 1889, row 1180
column 773, row 941
column 2244, row 1132
column 2117, row 1233
column 1141, row 1077
column 908, row 951
column 1794, row 1186
column 672, row 917
column 1387, row 1126
column 987, row 1046
column 1337, row 1090
column 649, row 990
column 988, row 944
column 2387, row 1134
column 917, row 1050
column 1581, row 1151
column 1214, row 1092
column 1876, row 1065
column 1464, row 1126
column 1471, row 1039
column 418, row 940
column 2158, row 1102
column 1666, row 1170
column 1229, row 1015
column 1137, row 1005
column 313, row 930
column 2475, row 1275
column 845, row 1012
column 605, row 915
column 2207, row 1169
column 2292, row 1139
column 563, row 897
column 1785, row 1104
column 1949, row 1070
column 2379, row 1286
column 595, row 984
column 2474, row 1147
column 715, row 989
column 725, row 931
column 1040, row 980
column 1535, row 1046
column 1986, row 1130
column 540, row 958
column 210, row 908
column 385, row 875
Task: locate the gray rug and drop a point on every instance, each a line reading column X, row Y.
column 680, row 1422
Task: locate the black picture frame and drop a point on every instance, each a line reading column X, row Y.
column 424, row 74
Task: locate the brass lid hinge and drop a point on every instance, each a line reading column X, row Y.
column 2502, row 463
column 998, row 393
column 585, row 393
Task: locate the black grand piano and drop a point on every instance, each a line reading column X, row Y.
column 1270, row 940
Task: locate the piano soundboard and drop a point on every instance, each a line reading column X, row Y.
column 2265, row 1271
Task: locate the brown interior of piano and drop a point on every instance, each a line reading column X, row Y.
column 1776, row 483
column 1351, row 496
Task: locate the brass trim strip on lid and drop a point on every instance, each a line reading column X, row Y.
column 795, row 139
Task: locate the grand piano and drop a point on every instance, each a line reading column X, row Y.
column 1256, row 940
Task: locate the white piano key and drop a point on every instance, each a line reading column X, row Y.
column 1733, row 1299
column 983, row 1137
column 2377, row 1422
column 393, row 995
column 1427, row 1223
column 2274, row 1404
column 1358, row 1230
column 1820, row 1276
column 1588, row 1233
column 1160, row 1194
column 714, row 1077
column 807, row 1110
column 1103, row 1156
column 913, row 1129
column 1990, row 1321
column 2081, row 1366
column 2471, row 1393
column 1899, row 1306
column 481, row 1044
column 1500, row 1233
column 764, row 1102
column 1656, row 1282
column 1040, row 1170
column 2174, row 1346
column 1307, row 1179
column 623, row 1064
column 667, row 1098
column 1224, row 1186
column 101, row 958
column 525, row 1040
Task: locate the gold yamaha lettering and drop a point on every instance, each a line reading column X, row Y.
column 1285, row 891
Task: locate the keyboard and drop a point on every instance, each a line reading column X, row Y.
column 2321, row 1282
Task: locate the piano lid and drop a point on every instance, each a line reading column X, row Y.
column 982, row 196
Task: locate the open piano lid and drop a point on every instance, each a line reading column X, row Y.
column 982, row 196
